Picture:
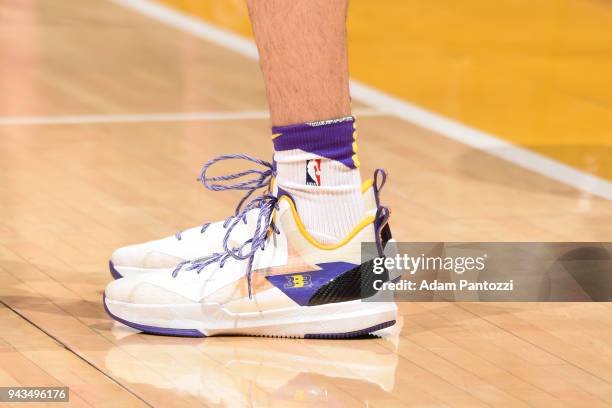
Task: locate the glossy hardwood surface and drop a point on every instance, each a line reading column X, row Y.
column 70, row 194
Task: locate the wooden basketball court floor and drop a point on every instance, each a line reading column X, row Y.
column 105, row 119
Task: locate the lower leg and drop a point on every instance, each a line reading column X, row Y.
column 303, row 56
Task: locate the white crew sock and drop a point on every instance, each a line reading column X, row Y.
column 326, row 191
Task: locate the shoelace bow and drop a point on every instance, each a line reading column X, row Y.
column 266, row 202
column 263, row 179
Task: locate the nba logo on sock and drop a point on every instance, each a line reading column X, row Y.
column 313, row 172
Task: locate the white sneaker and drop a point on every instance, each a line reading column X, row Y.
column 280, row 282
column 200, row 242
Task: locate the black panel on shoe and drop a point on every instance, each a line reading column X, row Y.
column 385, row 234
column 356, row 283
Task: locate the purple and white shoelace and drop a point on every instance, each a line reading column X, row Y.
column 261, row 180
column 266, row 203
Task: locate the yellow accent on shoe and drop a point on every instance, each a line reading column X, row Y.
column 356, row 160
column 366, row 184
column 364, row 223
column 274, row 136
column 364, row 187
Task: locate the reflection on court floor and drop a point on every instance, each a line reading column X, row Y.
column 242, row 371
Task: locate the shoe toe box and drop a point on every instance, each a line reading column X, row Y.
column 138, row 290
column 148, row 255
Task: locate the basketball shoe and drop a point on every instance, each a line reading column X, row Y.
column 200, row 242
column 279, row 282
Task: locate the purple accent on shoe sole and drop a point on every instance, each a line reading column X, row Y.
column 351, row 334
column 153, row 329
column 114, row 273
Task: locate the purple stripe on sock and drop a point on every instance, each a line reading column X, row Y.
column 332, row 139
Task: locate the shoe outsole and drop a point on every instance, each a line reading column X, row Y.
column 153, row 329
column 349, row 335
column 114, row 273
column 163, row 331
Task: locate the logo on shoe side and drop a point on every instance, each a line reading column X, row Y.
column 301, row 286
column 298, row 281
column 313, row 172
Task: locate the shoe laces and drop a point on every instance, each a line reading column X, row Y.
column 382, row 211
column 259, row 179
column 267, row 203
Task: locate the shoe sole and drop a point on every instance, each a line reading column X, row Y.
column 341, row 320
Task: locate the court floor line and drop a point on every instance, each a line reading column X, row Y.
column 401, row 109
column 151, row 117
